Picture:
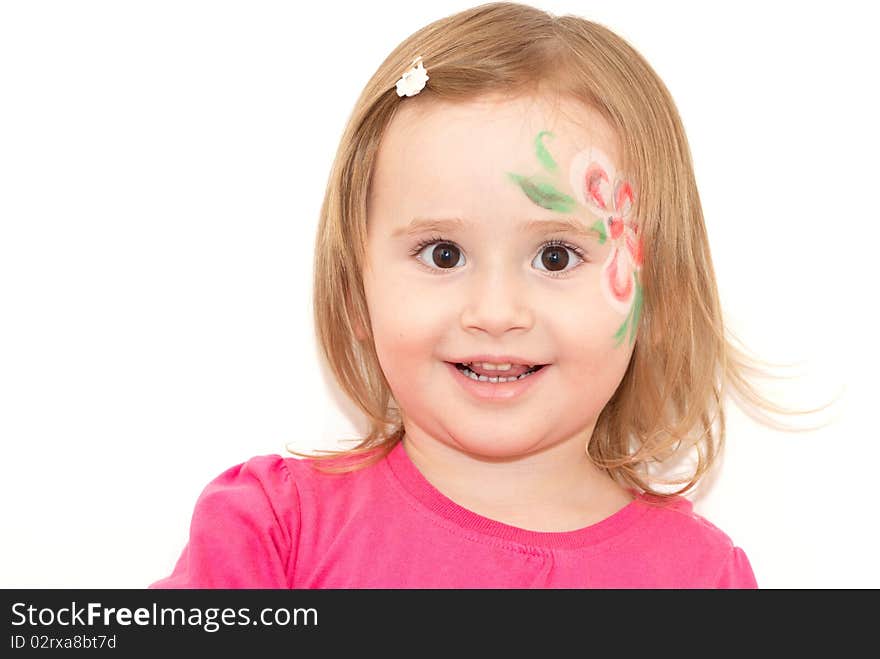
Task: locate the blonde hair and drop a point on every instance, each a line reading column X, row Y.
column 669, row 401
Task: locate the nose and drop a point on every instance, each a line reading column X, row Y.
column 496, row 301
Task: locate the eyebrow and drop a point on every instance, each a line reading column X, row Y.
column 421, row 224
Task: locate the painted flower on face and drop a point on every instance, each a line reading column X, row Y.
column 598, row 189
column 597, row 186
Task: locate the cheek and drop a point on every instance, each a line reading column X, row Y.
column 405, row 322
column 586, row 343
column 585, row 315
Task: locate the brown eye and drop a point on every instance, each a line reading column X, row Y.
column 554, row 258
column 443, row 255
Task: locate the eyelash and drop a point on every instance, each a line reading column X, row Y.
column 550, row 243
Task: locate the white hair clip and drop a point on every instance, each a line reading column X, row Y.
column 413, row 81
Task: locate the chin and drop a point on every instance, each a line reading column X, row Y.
column 497, row 444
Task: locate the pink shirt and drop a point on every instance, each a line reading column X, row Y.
column 275, row 522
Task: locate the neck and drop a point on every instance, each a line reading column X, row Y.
column 557, row 488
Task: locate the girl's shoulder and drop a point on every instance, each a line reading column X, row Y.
column 685, row 545
column 679, row 511
column 275, row 469
column 677, row 515
column 245, row 526
column 285, row 481
column 261, row 485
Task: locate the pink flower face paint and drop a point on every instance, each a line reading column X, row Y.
column 600, row 190
column 597, row 186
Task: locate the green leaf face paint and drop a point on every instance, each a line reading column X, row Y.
column 544, row 194
column 632, row 318
column 599, row 190
column 599, row 227
column 543, row 154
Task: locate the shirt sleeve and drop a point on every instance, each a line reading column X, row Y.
column 737, row 572
column 243, row 530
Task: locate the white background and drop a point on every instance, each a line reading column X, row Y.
column 162, row 165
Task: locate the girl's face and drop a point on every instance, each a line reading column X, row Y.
column 462, row 262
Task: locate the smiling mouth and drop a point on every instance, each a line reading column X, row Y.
column 497, row 378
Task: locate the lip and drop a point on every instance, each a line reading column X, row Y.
column 496, row 359
column 496, row 391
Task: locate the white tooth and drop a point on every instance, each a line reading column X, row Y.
column 495, row 367
column 486, row 378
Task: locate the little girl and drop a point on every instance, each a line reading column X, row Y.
column 513, row 283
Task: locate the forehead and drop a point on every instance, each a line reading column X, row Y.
column 451, row 159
